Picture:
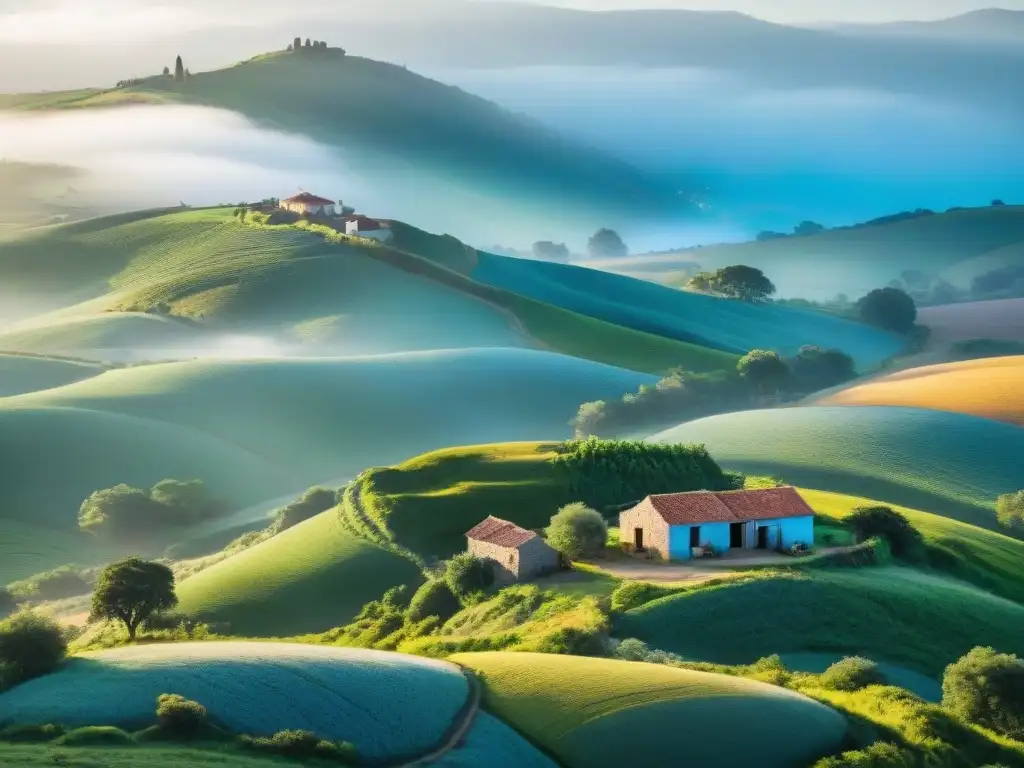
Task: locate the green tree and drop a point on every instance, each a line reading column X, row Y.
column 742, row 282
column 309, row 43
column 606, row 244
column 987, row 688
column 120, row 512
column 297, row 44
column 433, row 598
column 467, row 575
column 806, row 228
column 851, row 674
column 764, row 370
column 167, row 71
column 132, row 590
column 30, row 645
column 179, row 70
column 814, row 368
column 549, row 251
column 186, row 502
column 577, row 531
column 888, row 308
column 702, row 282
column 1010, row 510
column 888, row 524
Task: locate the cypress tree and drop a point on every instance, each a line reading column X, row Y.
column 179, row 70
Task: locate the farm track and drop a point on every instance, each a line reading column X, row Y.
column 460, row 726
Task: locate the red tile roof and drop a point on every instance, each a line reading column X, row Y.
column 501, row 533
column 306, row 197
column 729, row 506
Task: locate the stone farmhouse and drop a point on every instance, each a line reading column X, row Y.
column 306, row 203
column 517, row 554
column 679, row 526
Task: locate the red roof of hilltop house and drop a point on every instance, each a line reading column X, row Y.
column 728, row 506
column 501, row 533
column 306, row 197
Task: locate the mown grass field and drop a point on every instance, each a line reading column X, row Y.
column 947, row 463
column 984, row 558
column 20, row 374
column 593, row 712
column 893, row 614
column 732, row 326
column 992, row 388
column 310, row 578
column 388, row 705
column 855, row 261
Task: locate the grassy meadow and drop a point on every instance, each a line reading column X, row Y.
column 20, row 374
column 948, row 463
column 992, row 388
column 595, row 712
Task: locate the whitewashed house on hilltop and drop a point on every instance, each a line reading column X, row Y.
column 363, row 226
column 312, row 205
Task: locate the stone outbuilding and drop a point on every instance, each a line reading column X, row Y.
column 517, row 554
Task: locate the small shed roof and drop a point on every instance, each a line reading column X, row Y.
column 306, row 197
column 501, row 533
column 728, row 506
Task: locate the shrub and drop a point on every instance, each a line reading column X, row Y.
column 8, row 604
column 878, row 755
column 814, row 368
column 632, row 649
column 987, row 688
column 466, row 574
column 633, row 594
column 851, row 674
column 127, row 514
column 888, row 308
column 302, row 745
column 95, row 736
column 30, row 646
column 433, row 598
column 31, row 734
column 179, row 715
column 764, row 370
column 1010, row 510
column 888, row 524
column 770, row 669
column 310, row 504
column 577, row 531
column 573, row 641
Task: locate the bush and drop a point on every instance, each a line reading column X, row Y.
column 8, row 604
column 888, row 308
column 632, row 649
column 179, row 715
column 95, row 736
column 851, row 674
column 577, row 531
column 633, row 594
column 30, row 646
column 466, row 574
column 764, row 370
column 1010, row 510
column 31, row 734
column 886, row 523
column 302, row 745
column 814, row 368
column 606, row 243
column 310, row 504
column 987, row 688
column 434, row 598
column 770, row 669
column 127, row 514
column 573, row 641
column 974, row 349
column 878, row 755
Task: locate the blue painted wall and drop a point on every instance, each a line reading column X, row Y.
column 792, row 529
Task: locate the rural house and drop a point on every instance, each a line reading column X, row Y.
column 363, row 226
column 518, row 554
column 678, row 526
column 312, row 205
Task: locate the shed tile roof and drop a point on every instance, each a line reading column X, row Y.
column 306, row 197
column 729, row 506
column 502, row 533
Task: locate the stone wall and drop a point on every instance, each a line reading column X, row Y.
column 653, row 524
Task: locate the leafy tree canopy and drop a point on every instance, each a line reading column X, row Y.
column 606, row 244
column 987, row 688
column 467, row 575
column 764, row 369
column 888, row 524
column 131, row 591
column 888, row 308
column 577, row 531
column 549, row 251
column 131, row 515
column 30, row 645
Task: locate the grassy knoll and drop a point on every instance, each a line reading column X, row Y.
column 948, row 463
column 1003, row 320
column 597, row 712
column 20, row 374
column 312, row 577
column 897, row 614
column 992, row 388
column 984, row 558
column 732, row 326
column 857, row 260
column 385, row 704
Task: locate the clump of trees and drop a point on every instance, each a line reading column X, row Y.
column 549, row 251
column 128, row 514
column 577, row 531
column 851, row 674
column 57, row 584
column 1003, row 283
column 297, row 45
column 31, row 645
column 735, row 282
column 1010, row 510
column 986, row 688
column 889, row 308
column 603, row 473
column 132, row 591
column 888, row 524
column 606, row 244
column 764, row 370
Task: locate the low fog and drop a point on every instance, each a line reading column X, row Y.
column 771, row 158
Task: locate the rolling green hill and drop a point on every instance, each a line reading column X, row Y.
column 944, row 462
column 957, row 245
column 383, row 115
column 597, row 712
column 732, row 326
column 21, row 373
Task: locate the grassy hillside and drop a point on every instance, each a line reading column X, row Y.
column 312, row 577
column 20, row 374
column 387, row 705
column 27, row 549
column 383, row 116
column 1002, row 319
column 891, row 614
column 597, row 712
column 732, row 326
column 40, row 756
column 945, row 462
column 992, row 388
column 853, row 261
column 492, row 744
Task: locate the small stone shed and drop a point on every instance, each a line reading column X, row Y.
column 518, row 554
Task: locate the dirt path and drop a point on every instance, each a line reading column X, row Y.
column 467, row 716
